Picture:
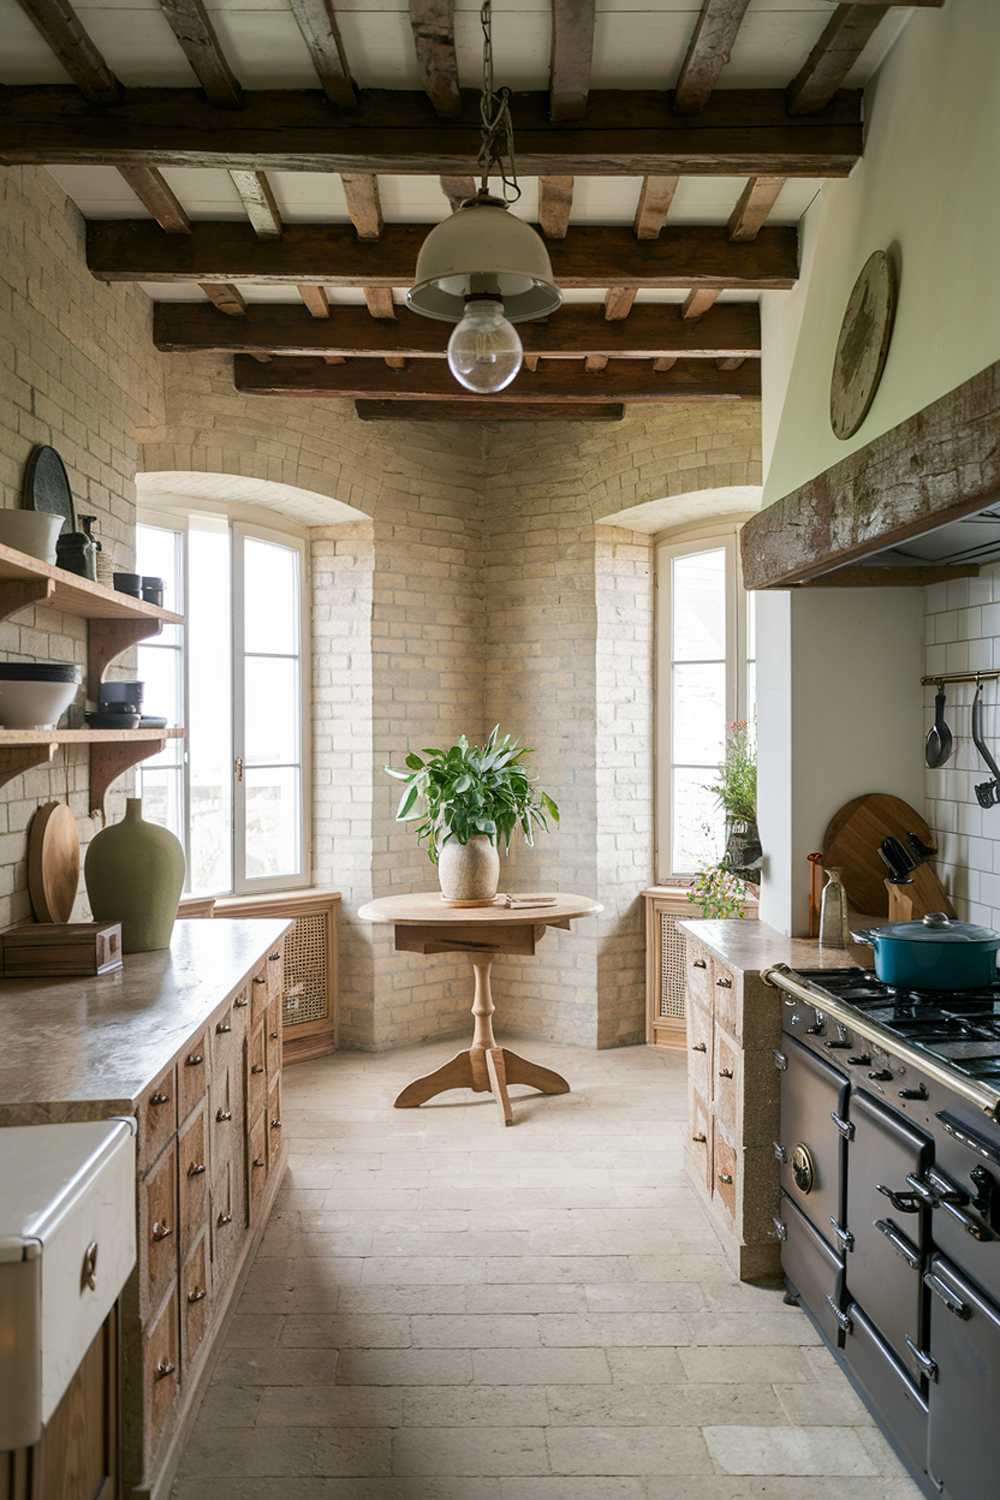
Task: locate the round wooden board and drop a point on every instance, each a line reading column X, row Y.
column 53, row 862
column 863, row 344
column 851, row 842
column 46, row 486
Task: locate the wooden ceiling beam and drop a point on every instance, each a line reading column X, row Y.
column 380, row 303
column 571, row 58
column 364, row 205
column 698, row 302
column 655, row 199
column 258, row 199
column 710, row 49
column 755, row 203
column 66, row 35
column 317, row 22
column 431, row 380
column 158, row 198
column 433, row 24
column 228, row 299
column 486, row 411
column 618, row 302
column 844, row 38
column 653, row 330
column 457, row 189
column 555, row 201
column 593, row 256
column 739, row 133
column 594, row 364
column 188, row 20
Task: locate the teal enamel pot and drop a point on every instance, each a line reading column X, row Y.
column 937, row 953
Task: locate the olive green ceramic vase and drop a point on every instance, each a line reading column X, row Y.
column 134, row 872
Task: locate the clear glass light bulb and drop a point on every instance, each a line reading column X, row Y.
column 484, row 352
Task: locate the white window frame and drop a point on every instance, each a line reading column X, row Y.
column 179, row 522
column 708, row 537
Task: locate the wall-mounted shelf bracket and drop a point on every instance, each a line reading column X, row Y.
column 17, row 758
column 17, row 594
column 108, row 762
column 107, row 639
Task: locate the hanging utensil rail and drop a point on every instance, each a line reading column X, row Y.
column 987, row 675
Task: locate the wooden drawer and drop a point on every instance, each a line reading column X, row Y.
column 699, row 1032
column 259, row 994
column 224, row 1033
column 274, row 1126
column 724, row 1172
column 272, row 1039
column 226, row 1226
column 192, row 1076
column 225, row 1121
column 161, row 1371
column 725, row 987
column 700, row 1141
column 256, row 1073
column 157, row 1117
column 276, row 972
column 699, row 975
column 195, row 1301
column 256, row 1163
column 726, row 1077
column 157, row 1251
column 192, row 1174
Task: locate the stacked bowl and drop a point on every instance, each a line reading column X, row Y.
column 34, row 694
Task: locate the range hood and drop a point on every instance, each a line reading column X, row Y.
column 972, row 539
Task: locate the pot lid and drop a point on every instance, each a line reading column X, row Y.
column 936, row 927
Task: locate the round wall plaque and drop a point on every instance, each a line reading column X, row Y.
column 863, row 344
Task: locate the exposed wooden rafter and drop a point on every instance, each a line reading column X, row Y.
column 655, row 199
column 844, row 38
column 188, row 20
column 711, row 45
column 315, row 298
column 258, row 200
column 739, row 133
column 364, row 206
column 457, row 189
column 431, row 380
column 486, row 411
column 555, row 200
column 433, row 23
column 618, row 302
column 228, row 299
column 595, row 363
column 755, row 203
column 61, row 27
column 698, row 302
column 572, row 58
column 596, row 256
column 380, row 303
column 157, row 198
column 318, row 24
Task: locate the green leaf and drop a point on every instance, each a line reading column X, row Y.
column 414, row 762
column 406, row 802
column 550, row 807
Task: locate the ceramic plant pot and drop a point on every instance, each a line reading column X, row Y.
column 469, row 872
column 134, row 873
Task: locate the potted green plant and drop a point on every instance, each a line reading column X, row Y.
column 468, row 802
column 721, row 889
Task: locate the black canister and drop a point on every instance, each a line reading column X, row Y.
column 77, row 553
column 129, row 583
column 152, row 591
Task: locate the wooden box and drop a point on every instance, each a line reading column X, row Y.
column 36, row 950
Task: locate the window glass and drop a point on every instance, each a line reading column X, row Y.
column 699, row 606
column 210, row 695
column 160, row 666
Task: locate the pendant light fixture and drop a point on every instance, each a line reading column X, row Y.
column 483, row 269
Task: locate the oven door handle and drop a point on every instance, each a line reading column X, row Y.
column 946, row 1295
column 899, row 1243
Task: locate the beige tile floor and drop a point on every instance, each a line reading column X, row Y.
column 442, row 1309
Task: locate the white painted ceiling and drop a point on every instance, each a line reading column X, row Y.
column 638, row 44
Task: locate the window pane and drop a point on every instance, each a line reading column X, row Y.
column 751, row 626
column 698, row 713
column 752, row 699
column 272, row 710
column 160, row 669
column 158, row 554
column 697, row 824
column 699, row 606
column 272, row 832
column 162, row 792
column 271, row 597
column 210, row 747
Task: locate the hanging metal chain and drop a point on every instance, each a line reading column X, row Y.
column 497, row 151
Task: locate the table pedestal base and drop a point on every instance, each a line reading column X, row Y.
column 484, row 1067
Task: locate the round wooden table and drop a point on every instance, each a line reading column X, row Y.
column 424, row 924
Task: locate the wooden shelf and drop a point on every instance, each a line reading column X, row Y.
column 112, row 752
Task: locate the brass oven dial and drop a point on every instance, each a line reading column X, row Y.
column 803, row 1168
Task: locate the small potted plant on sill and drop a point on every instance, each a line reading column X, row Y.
column 722, row 889
column 470, row 800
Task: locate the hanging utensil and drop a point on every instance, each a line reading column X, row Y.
column 939, row 741
column 987, row 792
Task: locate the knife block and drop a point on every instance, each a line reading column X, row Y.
column 923, row 893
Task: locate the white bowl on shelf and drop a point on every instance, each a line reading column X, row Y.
column 33, row 695
column 32, row 531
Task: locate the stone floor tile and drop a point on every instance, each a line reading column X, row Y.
column 878, row 1450
column 660, row 1366
column 559, row 1487
column 330, row 1406
column 789, row 1450
column 647, row 1296
column 474, row 1406
column 751, row 1328
column 438, row 1270
column 823, row 1404
column 749, row 1364
column 404, row 1367
column 252, row 1453
column 689, row 1266
column 571, row 1268
column 524, row 1297
column 348, row 1450
column 610, row 1330
column 229, row 1406
column 345, row 1331
column 663, row 1449
column 472, row 1451
column 475, row 1331
column 540, row 1367
column 276, row 1367
column 253, row 1330
column 645, row 1405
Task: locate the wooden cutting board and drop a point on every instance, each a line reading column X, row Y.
column 851, row 842
column 53, row 862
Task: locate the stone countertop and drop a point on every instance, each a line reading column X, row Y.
column 101, row 1040
column 750, row 946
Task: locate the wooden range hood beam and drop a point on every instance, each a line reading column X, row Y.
column 654, row 330
column 597, row 256
column 486, row 411
column 939, row 465
column 431, row 380
column 740, row 132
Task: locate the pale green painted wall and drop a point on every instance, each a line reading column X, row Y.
column 928, row 185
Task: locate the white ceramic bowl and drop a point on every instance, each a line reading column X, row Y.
column 34, row 705
column 31, row 531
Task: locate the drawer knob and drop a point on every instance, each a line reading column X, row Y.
column 164, row 1368
column 273, row 1035
column 222, row 1115
column 700, row 1137
column 223, row 1220
column 273, row 958
column 159, row 1098
column 259, row 979
column 700, row 963
column 258, row 1161
column 196, row 1169
column 275, row 1124
column 223, row 1028
column 699, row 1047
column 725, row 983
column 257, row 1068
column 725, row 1072
column 726, row 1178
column 195, row 1060
column 88, row 1276
column 198, row 1295
column 241, row 1003
column 161, row 1231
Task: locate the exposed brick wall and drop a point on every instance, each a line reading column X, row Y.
column 77, row 370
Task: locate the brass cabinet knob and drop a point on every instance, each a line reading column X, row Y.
column 725, row 1177
column 196, row 1169
column 223, row 1027
column 195, row 1060
column 257, row 1068
column 241, row 1002
column 275, row 1124
column 223, row 1220
column 699, row 1047
column 273, row 958
column 260, row 979
column 273, row 1035
column 88, row 1276
column 164, row 1368
column 725, row 1072
column 700, row 963
column 161, row 1231
column 258, row 1161
column 725, row 983
column 198, row 1295
column 159, row 1098
column 222, row 1115
column 700, row 1137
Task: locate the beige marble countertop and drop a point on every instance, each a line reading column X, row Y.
column 102, row 1040
column 751, row 946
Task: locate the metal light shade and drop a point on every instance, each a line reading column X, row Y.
column 504, row 254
